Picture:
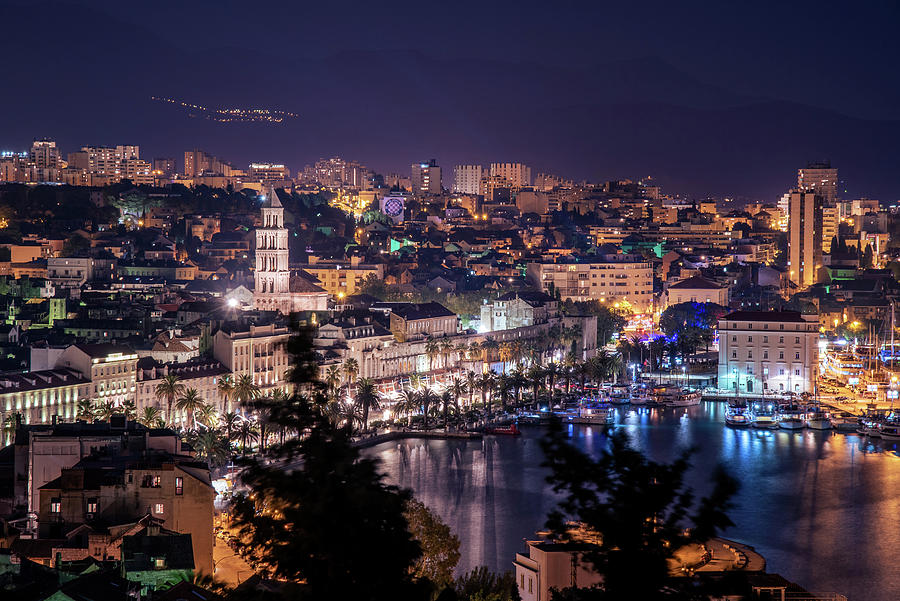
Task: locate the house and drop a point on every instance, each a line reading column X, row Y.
column 697, row 289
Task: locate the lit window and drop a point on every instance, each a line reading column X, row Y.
column 92, row 506
column 55, row 505
column 159, row 509
column 179, row 485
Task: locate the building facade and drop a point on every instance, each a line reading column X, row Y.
column 609, row 279
column 804, row 238
column 467, row 179
column 768, row 352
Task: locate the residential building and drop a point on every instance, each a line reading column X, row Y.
column 467, row 179
column 518, row 309
column 268, row 172
column 201, row 374
column 517, row 174
column 804, row 237
column 41, row 397
column 820, row 178
column 255, row 350
column 606, row 278
column 425, row 178
column 343, row 278
column 697, row 289
column 417, row 321
column 552, row 566
column 111, row 369
column 74, row 272
column 768, row 351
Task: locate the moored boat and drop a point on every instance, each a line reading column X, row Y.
column 737, row 417
column 818, row 420
column 510, row 430
column 765, row 421
column 890, row 431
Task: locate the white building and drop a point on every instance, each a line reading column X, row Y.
column 255, row 350
column 768, row 351
column 697, row 289
column 607, row 278
column 552, row 565
column 467, row 179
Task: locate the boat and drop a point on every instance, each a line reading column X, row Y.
column 591, row 415
column 642, row 398
column 510, row 430
column 818, row 419
column 869, row 427
column 737, row 417
column 845, row 423
column 791, row 417
column 686, row 398
column 890, row 431
column 764, row 419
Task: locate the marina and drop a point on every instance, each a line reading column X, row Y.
column 832, row 495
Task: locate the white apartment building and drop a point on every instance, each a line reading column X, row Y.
column 517, row 174
column 608, row 278
column 73, row 272
column 467, row 179
column 111, row 369
column 768, row 351
column 255, row 350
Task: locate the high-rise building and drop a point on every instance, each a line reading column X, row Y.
column 197, row 162
column 517, row 174
column 804, row 237
column 820, row 178
column 44, row 154
column 467, row 179
column 269, row 172
column 164, row 167
column 426, row 178
column 109, row 164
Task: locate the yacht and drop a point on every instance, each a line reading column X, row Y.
column 765, row 421
column 818, row 419
column 737, row 417
column 591, row 415
column 672, row 396
column 870, row 428
column 790, row 417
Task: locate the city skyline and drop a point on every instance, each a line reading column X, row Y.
column 588, row 112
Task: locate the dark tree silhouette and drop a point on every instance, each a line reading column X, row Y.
column 642, row 511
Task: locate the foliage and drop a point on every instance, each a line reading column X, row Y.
column 609, row 319
column 465, row 304
column 642, row 511
column 483, row 585
column 330, row 519
column 440, row 547
column 690, row 325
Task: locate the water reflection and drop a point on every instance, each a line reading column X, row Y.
column 821, row 507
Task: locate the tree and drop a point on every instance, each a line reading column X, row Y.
column 427, row 398
column 408, row 404
column 481, row 584
column 208, row 417
column 189, row 404
column 866, row 261
column 366, row 399
column 149, row 417
column 247, row 433
column 85, row 409
column 351, row 370
column 212, row 447
column 245, row 389
column 440, row 547
column 642, row 511
column 458, row 388
column 330, row 520
column 226, row 391
column 332, row 380
column 432, row 348
column 169, row 389
column 688, row 325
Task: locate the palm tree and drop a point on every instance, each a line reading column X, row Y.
column 247, row 432
column 189, row 403
column 105, row 411
column 519, row 381
column 536, row 377
column 427, row 398
column 211, row 446
column 446, row 403
column 149, row 417
column 415, row 381
column 86, row 409
column 231, row 423
column 471, row 384
column 367, row 399
column 485, row 384
column 351, row 370
column 208, row 416
column 551, row 371
column 487, row 349
column 332, row 380
column 458, row 388
column 504, row 385
column 432, row 348
column 9, row 426
column 169, row 389
column 226, row 391
column 461, row 350
column 474, row 351
column 446, row 348
column 245, row 389
column 408, row 403
column 129, row 409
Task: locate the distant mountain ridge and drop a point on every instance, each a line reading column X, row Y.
column 90, row 79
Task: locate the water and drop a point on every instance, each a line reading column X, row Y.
column 822, row 508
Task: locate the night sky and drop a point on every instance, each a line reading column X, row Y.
column 709, row 98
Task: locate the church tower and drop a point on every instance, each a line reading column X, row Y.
column 273, row 276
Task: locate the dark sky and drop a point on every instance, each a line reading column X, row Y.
column 712, row 98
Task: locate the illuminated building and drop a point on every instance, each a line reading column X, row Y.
column 111, row 368
column 804, row 238
column 768, row 351
column 258, row 351
column 517, row 174
column 343, row 278
column 467, row 179
column 820, row 178
column 268, row 172
column 608, row 278
column 426, row 178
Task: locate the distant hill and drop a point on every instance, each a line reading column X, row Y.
column 85, row 78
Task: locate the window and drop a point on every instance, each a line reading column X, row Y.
column 522, row 586
column 159, row 508
column 765, row 354
column 796, row 372
column 179, row 485
column 765, row 371
column 781, row 339
column 159, row 562
column 749, row 354
column 749, row 338
column 55, row 505
column 796, row 355
column 157, row 481
column 92, row 505
column 530, row 587
column 781, row 372
column 797, row 340
column 734, row 338
column 734, row 354
column 781, row 326
column 781, row 354
column 765, row 338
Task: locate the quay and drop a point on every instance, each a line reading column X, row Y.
column 376, row 439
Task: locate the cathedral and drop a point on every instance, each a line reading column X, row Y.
column 276, row 289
